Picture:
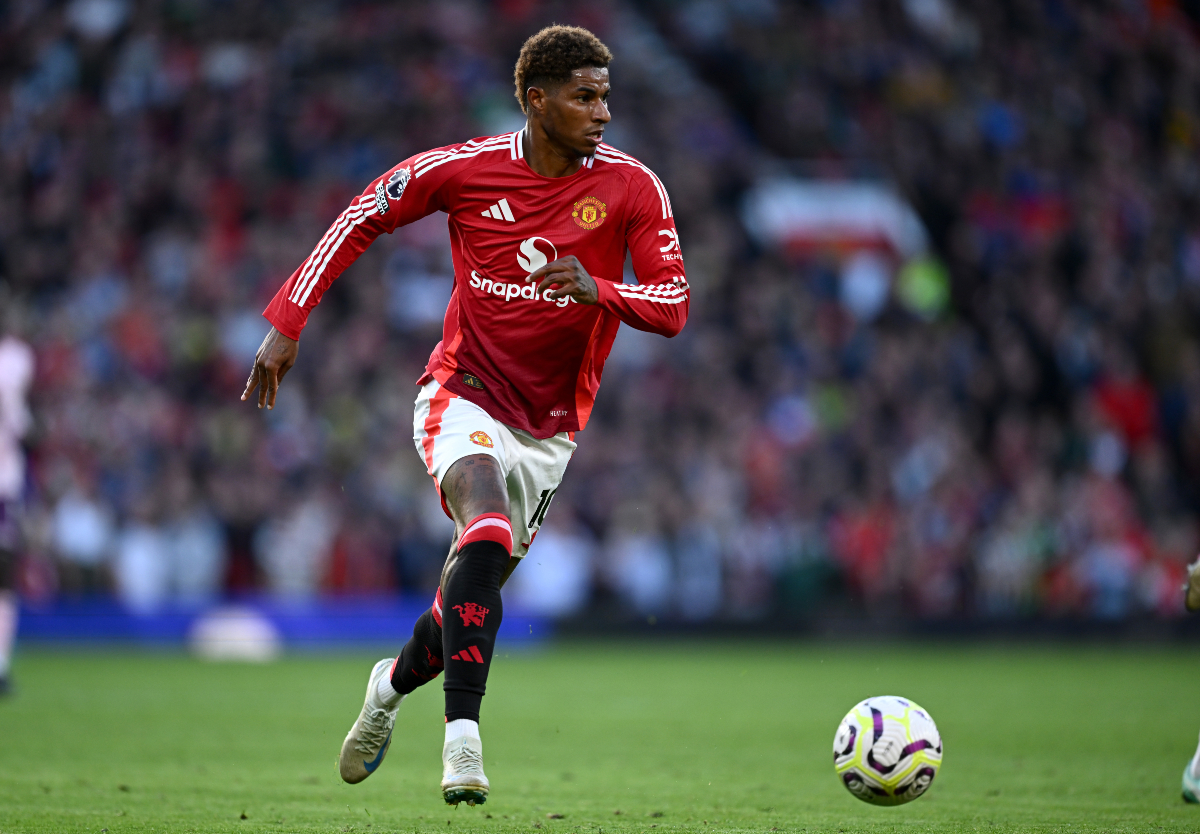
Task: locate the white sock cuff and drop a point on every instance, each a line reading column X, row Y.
column 460, row 727
column 386, row 692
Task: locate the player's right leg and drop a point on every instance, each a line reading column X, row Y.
column 371, row 734
column 391, row 679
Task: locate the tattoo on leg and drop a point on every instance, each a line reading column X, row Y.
column 474, row 486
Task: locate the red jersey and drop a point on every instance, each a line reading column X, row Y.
column 530, row 363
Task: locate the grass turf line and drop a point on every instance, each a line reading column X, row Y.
column 614, row 737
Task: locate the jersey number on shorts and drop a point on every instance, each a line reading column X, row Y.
column 539, row 515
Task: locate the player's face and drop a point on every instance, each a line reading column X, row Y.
column 575, row 114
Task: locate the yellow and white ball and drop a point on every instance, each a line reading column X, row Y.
column 887, row 750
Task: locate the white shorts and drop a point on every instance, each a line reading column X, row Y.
column 447, row 427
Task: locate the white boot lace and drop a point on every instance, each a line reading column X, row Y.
column 374, row 730
column 466, row 759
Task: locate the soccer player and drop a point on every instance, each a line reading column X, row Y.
column 540, row 223
column 1191, row 601
column 16, row 375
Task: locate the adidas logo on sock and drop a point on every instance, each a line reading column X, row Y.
column 500, row 211
column 470, row 655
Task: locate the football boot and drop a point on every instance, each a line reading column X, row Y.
column 369, row 739
column 462, row 772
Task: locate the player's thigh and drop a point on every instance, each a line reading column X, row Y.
column 449, row 432
column 533, row 478
column 447, row 429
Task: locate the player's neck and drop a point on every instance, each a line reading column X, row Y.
column 547, row 157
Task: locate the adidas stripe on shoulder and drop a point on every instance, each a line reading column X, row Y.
column 609, row 154
column 468, row 150
column 314, row 267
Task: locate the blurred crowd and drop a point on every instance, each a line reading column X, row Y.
column 1003, row 425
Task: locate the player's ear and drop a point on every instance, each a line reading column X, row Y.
column 536, row 97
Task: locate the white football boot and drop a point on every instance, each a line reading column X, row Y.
column 368, row 740
column 1191, row 779
column 1191, row 785
column 1191, row 588
column 462, row 772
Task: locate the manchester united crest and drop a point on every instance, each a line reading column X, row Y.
column 589, row 212
column 481, row 439
column 472, row 614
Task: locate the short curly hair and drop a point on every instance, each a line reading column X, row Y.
column 549, row 57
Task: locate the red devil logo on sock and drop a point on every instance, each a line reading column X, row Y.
column 471, row 613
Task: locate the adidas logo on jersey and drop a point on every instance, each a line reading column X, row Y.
column 500, row 211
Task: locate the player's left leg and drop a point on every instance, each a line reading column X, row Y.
column 1191, row 779
column 486, row 509
column 8, row 596
column 1191, row 600
column 477, row 496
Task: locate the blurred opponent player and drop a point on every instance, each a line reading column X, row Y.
column 540, row 223
column 1191, row 600
column 16, row 375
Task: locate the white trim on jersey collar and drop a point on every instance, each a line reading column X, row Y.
column 517, row 146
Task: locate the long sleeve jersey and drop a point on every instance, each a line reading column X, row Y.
column 530, row 362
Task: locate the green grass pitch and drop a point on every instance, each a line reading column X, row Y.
column 653, row 738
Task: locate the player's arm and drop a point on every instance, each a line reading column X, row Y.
column 276, row 356
column 391, row 201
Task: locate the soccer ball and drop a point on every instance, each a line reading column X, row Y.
column 887, row 750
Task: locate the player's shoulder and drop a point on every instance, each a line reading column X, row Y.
column 480, row 151
column 635, row 173
column 623, row 164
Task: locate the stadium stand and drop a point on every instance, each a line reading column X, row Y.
column 1002, row 424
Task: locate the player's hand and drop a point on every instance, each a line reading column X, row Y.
column 274, row 359
column 568, row 277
